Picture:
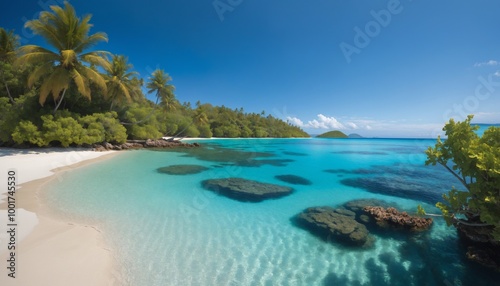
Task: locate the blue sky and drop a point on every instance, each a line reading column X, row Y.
column 378, row 68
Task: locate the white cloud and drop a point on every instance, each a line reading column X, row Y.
column 488, row 63
column 326, row 122
column 295, row 121
column 379, row 128
column 497, row 73
column 322, row 122
column 352, row 125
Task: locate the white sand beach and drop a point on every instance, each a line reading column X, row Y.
column 49, row 249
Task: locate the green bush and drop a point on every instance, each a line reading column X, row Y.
column 191, row 131
column 475, row 162
column 26, row 131
column 65, row 130
column 114, row 132
column 205, row 131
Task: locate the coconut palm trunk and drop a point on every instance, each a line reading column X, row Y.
column 60, row 101
column 8, row 91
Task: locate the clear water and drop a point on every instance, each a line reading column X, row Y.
column 168, row 230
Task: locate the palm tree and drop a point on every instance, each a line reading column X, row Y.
column 159, row 84
column 199, row 118
column 68, row 34
column 8, row 45
column 121, row 83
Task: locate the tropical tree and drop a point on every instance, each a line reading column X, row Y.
column 199, row 118
column 121, row 82
column 159, row 85
column 68, row 65
column 475, row 161
column 8, row 45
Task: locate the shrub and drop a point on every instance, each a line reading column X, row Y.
column 26, row 131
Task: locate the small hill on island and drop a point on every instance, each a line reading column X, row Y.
column 333, row 134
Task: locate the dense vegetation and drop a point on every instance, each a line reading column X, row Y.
column 67, row 95
column 475, row 161
column 333, row 134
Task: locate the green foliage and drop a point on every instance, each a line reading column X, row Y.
column 68, row 129
column 144, row 122
column 420, row 211
column 333, row 134
column 65, row 130
column 102, row 127
column 475, row 162
column 205, row 131
column 26, row 131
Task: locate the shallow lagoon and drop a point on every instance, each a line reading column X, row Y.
column 167, row 230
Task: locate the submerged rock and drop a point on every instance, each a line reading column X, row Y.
column 246, row 190
column 386, row 217
column 336, row 225
column 182, row 169
column 139, row 144
column 482, row 247
column 403, row 187
column 262, row 162
column 293, row 179
column 357, row 206
column 294, row 153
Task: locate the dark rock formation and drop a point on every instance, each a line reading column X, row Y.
column 336, row 225
column 386, row 217
column 182, row 169
column 481, row 246
column 246, row 190
column 293, row 179
column 294, row 153
column 139, row 144
column 404, row 186
column 260, row 162
column 486, row 255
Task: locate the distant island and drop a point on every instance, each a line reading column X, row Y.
column 333, row 134
column 338, row 134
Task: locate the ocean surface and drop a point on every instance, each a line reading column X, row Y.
column 167, row 230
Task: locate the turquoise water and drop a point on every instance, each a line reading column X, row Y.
column 168, row 230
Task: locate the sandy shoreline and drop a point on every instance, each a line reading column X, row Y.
column 50, row 250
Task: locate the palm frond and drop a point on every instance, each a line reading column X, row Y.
column 96, row 59
column 40, row 71
column 55, row 83
column 68, row 58
column 8, row 44
column 125, row 91
column 93, row 76
column 35, row 55
column 43, row 28
column 91, row 41
column 81, row 84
